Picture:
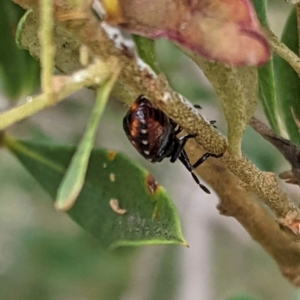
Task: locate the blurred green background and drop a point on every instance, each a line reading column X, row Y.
column 44, row 255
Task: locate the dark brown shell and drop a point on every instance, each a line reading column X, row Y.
column 148, row 129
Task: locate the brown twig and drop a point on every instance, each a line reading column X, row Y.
column 236, row 202
column 263, row 184
column 290, row 151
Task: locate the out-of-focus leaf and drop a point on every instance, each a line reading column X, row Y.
column 73, row 180
column 243, row 297
column 287, row 82
column 167, row 276
column 146, row 50
column 227, row 31
column 74, row 264
column 267, row 95
column 120, row 203
column 267, row 90
column 19, row 72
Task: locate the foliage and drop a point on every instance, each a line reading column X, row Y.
column 109, row 195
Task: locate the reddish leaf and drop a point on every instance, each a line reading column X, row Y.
column 223, row 30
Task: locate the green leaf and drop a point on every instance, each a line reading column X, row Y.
column 120, row 203
column 267, row 95
column 260, row 7
column 74, row 178
column 19, row 72
column 71, row 261
column 287, row 82
column 266, row 76
column 146, row 50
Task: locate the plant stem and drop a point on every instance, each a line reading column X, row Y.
column 47, row 47
column 65, row 85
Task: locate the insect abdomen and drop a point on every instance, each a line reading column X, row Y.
column 146, row 127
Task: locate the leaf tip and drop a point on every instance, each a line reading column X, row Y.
column 19, row 31
column 63, row 203
column 62, row 207
column 185, row 244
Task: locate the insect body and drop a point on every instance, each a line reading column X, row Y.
column 154, row 136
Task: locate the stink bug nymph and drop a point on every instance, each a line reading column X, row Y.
column 154, row 135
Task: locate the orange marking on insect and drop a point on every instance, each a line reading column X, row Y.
column 134, row 130
column 134, row 106
column 154, row 135
column 135, row 123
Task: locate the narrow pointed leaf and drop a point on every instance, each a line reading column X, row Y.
column 19, row 72
column 146, row 51
column 113, row 185
column 74, row 178
column 268, row 97
column 260, row 7
column 287, row 82
column 266, row 76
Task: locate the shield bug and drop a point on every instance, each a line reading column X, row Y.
column 154, row 135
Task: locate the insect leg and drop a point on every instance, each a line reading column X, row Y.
column 186, row 162
column 179, row 147
column 203, row 158
column 178, row 130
